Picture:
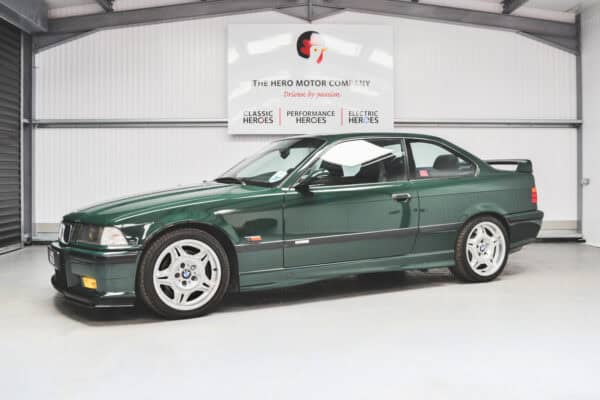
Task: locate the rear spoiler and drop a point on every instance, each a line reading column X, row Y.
column 522, row 165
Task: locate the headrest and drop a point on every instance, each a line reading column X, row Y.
column 334, row 169
column 446, row 162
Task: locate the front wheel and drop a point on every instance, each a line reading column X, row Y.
column 481, row 250
column 185, row 273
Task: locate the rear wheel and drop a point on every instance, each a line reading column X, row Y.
column 184, row 274
column 481, row 250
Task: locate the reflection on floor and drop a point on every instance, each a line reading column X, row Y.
column 531, row 334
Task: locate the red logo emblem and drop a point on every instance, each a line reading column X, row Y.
column 311, row 47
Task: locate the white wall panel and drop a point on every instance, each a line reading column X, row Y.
column 79, row 167
column 171, row 70
column 178, row 70
column 590, row 23
column 449, row 72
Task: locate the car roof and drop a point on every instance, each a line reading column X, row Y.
column 337, row 136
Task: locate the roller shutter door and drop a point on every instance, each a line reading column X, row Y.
column 10, row 137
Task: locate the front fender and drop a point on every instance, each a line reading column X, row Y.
column 181, row 218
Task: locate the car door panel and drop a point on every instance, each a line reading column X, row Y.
column 364, row 208
column 336, row 224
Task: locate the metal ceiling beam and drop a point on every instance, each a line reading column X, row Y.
column 455, row 15
column 107, row 5
column 565, row 44
column 509, row 6
column 309, row 11
column 222, row 123
column 163, row 14
column 385, row 7
column 30, row 16
column 564, row 35
column 44, row 42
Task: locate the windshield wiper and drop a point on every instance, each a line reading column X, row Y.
column 241, row 181
column 229, row 179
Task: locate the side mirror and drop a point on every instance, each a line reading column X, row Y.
column 305, row 182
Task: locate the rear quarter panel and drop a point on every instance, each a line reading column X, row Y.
column 446, row 204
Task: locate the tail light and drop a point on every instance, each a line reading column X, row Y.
column 533, row 195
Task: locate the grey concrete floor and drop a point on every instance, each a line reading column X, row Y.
column 532, row 334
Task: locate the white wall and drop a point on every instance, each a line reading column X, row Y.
column 591, row 129
column 78, row 167
column 178, row 71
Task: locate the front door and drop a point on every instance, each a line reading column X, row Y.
column 365, row 208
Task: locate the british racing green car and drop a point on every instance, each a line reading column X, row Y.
column 304, row 209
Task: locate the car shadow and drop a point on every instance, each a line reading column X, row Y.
column 333, row 289
column 352, row 286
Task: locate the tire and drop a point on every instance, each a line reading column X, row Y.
column 183, row 274
column 481, row 250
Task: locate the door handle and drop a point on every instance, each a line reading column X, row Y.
column 401, row 197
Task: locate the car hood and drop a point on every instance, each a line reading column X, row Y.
column 123, row 210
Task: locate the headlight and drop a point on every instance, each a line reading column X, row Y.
column 112, row 237
column 100, row 235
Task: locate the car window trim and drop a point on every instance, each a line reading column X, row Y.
column 357, row 185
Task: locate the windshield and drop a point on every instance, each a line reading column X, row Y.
column 273, row 164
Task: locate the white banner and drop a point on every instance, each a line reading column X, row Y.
column 298, row 79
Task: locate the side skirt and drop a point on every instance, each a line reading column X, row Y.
column 286, row 277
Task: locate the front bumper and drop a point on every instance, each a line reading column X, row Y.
column 114, row 272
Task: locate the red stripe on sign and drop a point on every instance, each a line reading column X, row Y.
column 342, row 116
column 279, row 116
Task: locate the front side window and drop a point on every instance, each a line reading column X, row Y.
column 362, row 161
column 272, row 165
column 431, row 160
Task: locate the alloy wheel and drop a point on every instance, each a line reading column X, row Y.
column 486, row 248
column 187, row 274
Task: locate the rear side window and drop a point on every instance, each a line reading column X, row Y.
column 430, row 160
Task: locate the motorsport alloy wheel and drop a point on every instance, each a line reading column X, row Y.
column 481, row 250
column 184, row 274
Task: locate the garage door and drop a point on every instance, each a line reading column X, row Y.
column 10, row 137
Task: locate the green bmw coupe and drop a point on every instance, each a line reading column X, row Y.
column 303, row 209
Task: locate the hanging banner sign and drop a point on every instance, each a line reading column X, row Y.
column 299, row 79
